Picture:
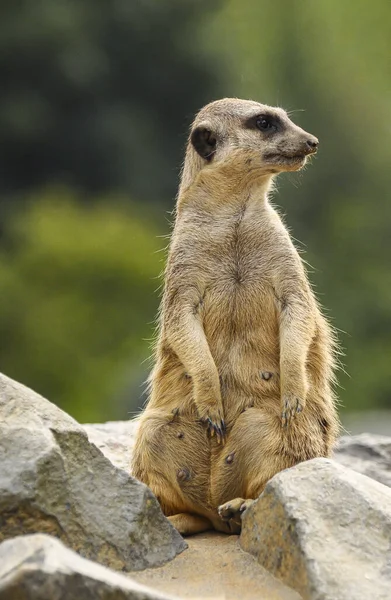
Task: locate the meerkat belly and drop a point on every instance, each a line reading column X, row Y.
column 241, row 325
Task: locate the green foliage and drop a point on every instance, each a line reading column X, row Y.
column 79, row 301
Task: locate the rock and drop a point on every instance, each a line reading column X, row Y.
column 53, row 480
column 325, row 531
column 366, row 453
column 115, row 439
column 40, row 567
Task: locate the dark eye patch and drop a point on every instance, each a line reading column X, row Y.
column 264, row 122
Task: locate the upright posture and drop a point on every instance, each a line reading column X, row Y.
column 242, row 382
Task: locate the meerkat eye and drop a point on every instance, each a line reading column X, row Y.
column 265, row 123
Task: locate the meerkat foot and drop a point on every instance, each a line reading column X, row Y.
column 234, row 509
column 188, row 524
column 291, row 406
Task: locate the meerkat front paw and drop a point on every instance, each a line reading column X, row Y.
column 207, row 398
column 213, row 419
column 292, row 404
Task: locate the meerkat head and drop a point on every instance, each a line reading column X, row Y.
column 256, row 137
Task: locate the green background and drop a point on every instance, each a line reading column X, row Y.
column 96, row 98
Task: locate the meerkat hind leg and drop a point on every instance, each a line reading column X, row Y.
column 188, row 524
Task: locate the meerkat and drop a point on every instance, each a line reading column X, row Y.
column 242, row 385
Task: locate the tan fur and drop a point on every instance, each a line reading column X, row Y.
column 242, row 342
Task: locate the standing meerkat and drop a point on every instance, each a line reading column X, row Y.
column 245, row 360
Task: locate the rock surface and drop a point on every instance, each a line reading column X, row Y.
column 215, row 568
column 53, row 480
column 40, row 567
column 324, row 530
column 367, row 453
column 115, row 439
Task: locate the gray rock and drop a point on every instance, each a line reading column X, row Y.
column 40, row 567
column 53, row 480
column 325, row 531
column 367, row 453
column 115, row 439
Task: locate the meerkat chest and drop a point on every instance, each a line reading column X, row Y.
column 237, row 260
column 239, row 254
column 232, row 256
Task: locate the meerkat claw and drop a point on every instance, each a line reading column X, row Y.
column 291, row 407
column 211, row 427
column 219, row 434
column 215, row 430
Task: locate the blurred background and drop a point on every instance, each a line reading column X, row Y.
column 96, row 98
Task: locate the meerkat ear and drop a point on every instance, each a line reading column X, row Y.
column 204, row 142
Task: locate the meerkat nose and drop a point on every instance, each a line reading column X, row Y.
column 312, row 144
